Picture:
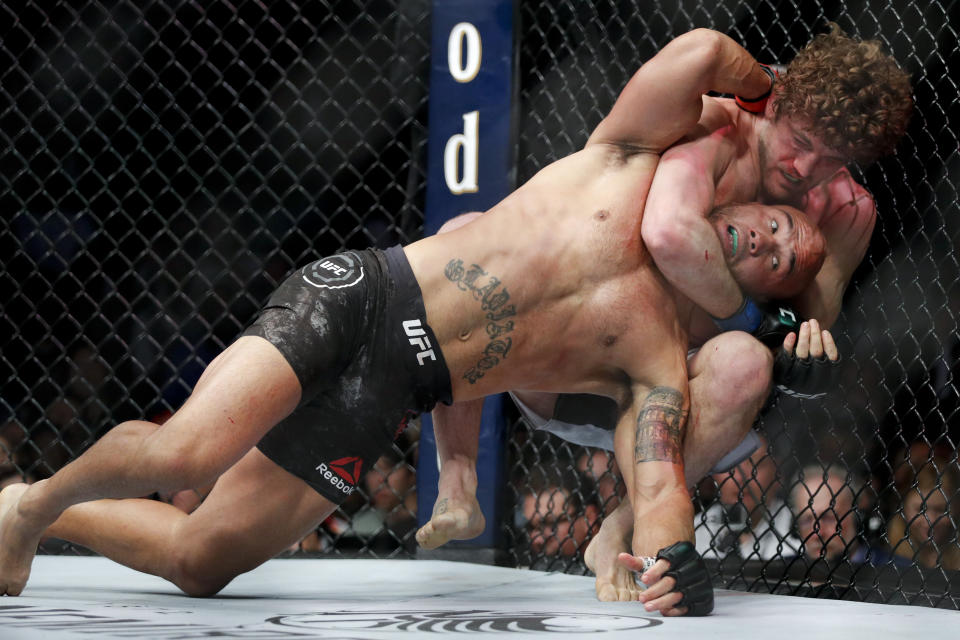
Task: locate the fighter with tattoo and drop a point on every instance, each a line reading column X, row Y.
column 552, row 289
column 840, row 100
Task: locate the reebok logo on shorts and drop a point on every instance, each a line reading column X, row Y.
column 348, row 470
column 335, row 272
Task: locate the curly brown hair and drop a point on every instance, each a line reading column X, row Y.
column 851, row 93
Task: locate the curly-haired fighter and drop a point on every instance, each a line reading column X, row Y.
column 553, row 289
column 840, row 100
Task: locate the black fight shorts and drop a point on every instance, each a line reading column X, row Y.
column 354, row 329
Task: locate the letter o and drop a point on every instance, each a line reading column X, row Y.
column 464, row 32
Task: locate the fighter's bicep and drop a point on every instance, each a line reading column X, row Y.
column 663, row 100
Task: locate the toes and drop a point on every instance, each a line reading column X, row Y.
column 425, row 536
column 606, row 593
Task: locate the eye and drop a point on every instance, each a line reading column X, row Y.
column 774, row 226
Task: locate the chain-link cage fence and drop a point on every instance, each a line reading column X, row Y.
column 166, row 164
column 853, row 496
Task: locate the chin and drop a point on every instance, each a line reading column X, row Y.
column 783, row 193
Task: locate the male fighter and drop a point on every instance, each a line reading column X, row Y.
column 349, row 347
column 840, row 100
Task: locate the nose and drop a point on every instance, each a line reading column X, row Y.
column 805, row 163
column 759, row 242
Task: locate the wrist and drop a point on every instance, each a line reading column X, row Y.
column 758, row 104
column 747, row 318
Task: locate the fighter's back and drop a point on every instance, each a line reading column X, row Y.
column 551, row 289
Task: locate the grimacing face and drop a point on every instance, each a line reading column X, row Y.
column 793, row 160
column 773, row 251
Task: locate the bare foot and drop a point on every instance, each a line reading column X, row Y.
column 614, row 581
column 452, row 519
column 18, row 544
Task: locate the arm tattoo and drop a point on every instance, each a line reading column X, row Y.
column 660, row 426
column 493, row 299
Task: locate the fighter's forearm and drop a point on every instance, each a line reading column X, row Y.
column 679, row 236
column 651, row 457
column 691, row 259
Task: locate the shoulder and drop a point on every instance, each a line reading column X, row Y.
column 840, row 204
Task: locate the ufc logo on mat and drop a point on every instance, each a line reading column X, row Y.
column 418, row 338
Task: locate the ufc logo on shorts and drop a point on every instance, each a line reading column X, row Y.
column 418, row 338
column 329, row 266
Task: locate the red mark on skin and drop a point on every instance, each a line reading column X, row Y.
column 231, row 420
column 706, row 256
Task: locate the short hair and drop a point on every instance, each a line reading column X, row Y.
column 813, row 477
column 849, row 92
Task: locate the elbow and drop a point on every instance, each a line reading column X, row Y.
column 700, row 49
column 458, row 221
column 662, row 239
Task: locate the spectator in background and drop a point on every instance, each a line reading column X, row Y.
column 749, row 520
column 389, row 520
column 923, row 530
column 555, row 515
column 41, row 444
column 825, row 505
column 600, row 466
column 11, row 439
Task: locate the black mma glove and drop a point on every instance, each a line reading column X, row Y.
column 769, row 324
column 693, row 580
column 806, row 378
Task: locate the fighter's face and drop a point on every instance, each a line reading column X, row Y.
column 793, row 160
column 772, row 251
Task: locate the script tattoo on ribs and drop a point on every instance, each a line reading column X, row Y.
column 494, row 300
column 660, row 426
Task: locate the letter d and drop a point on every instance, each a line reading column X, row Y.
column 468, row 141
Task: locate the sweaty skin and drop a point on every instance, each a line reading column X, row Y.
column 718, row 154
column 543, row 292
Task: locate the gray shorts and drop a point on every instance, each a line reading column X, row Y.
column 589, row 421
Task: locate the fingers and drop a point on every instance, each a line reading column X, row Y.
column 659, row 594
column 803, row 341
column 667, row 604
column 789, row 343
column 814, row 342
column 829, row 346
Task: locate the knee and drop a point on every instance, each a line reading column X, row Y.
column 177, row 464
column 740, row 370
column 196, row 570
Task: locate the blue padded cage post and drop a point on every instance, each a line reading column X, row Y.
column 471, row 166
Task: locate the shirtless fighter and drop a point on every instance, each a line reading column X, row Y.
column 283, row 421
column 840, row 100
